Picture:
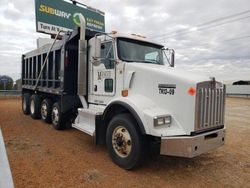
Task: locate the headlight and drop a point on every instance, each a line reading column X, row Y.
column 162, row 120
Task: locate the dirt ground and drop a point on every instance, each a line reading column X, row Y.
column 40, row 156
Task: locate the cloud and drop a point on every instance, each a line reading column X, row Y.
column 12, row 13
column 206, row 49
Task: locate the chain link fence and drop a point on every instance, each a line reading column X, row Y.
column 238, row 91
column 10, row 92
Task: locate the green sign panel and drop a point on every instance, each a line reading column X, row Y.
column 55, row 15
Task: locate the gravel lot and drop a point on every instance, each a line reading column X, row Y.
column 40, row 156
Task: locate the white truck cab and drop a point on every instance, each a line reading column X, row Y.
column 128, row 73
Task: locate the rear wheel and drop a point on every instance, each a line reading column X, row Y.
column 46, row 107
column 35, row 105
column 57, row 117
column 124, row 141
column 26, row 103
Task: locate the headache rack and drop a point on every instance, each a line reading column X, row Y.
column 210, row 106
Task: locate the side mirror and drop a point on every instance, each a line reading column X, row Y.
column 95, row 51
column 172, row 58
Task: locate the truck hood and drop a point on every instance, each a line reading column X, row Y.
column 159, row 90
column 176, row 73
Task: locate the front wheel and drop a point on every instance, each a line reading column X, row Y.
column 124, row 141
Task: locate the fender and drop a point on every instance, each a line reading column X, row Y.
column 128, row 108
column 144, row 110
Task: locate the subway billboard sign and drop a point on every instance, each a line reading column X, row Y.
column 52, row 16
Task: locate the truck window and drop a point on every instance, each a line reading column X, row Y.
column 152, row 56
column 108, row 85
column 131, row 50
column 107, row 55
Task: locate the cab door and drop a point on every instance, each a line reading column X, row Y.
column 103, row 75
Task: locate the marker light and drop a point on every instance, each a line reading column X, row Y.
column 125, row 93
column 191, row 91
column 141, row 36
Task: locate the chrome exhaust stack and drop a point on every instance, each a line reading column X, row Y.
column 82, row 63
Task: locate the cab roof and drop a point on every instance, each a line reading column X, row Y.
column 131, row 36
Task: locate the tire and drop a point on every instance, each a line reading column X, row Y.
column 124, row 141
column 57, row 117
column 26, row 103
column 35, row 106
column 46, row 108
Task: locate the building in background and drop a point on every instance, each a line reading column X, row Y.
column 241, row 82
column 239, row 88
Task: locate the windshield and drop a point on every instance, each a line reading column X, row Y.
column 138, row 51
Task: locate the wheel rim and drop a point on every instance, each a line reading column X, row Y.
column 32, row 106
column 24, row 104
column 121, row 141
column 55, row 116
column 44, row 111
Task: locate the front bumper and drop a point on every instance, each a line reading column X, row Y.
column 191, row 146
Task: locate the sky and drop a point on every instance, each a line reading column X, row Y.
column 209, row 37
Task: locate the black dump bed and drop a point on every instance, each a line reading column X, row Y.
column 59, row 76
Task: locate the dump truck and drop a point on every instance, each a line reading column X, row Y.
column 124, row 91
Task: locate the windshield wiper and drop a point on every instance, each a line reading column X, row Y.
column 128, row 60
column 153, row 61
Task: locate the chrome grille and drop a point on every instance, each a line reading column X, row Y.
column 210, row 105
